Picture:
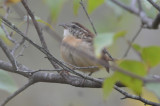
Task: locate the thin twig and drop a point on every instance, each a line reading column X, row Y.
column 21, row 52
column 133, row 39
column 127, row 95
column 23, row 40
column 7, row 34
column 125, row 7
column 39, row 31
column 146, row 20
column 17, row 92
column 133, row 3
column 5, row 30
column 154, row 4
column 8, row 54
column 156, row 21
column 81, row 2
column 139, row 5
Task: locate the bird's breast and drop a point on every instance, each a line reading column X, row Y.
column 73, row 57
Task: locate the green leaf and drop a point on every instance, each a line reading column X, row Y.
column 76, row 6
column 119, row 34
column 93, row 4
column 6, row 82
column 137, row 47
column 151, row 55
column 101, row 41
column 55, row 7
column 108, row 85
column 154, row 87
column 134, row 67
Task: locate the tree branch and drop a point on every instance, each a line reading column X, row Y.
column 8, row 54
column 154, row 5
column 81, row 2
column 145, row 20
column 127, row 95
column 17, row 92
column 133, row 39
column 156, row 21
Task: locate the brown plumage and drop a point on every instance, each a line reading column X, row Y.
column 76, row 35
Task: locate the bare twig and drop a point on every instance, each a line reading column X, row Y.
column 156, row 21
column 5, row 30
column 8, row 54
column 154, row 4
column 133, row 39
column 7, row 34
column 127, row 95
column 81, row 2
column 133, row 3
column 139, row 5
column 125, row 7
column 21, row 52
column 23, row 40
column 39, row 31
column 147, row 21
column 17, row 92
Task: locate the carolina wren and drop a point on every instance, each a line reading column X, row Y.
column 79, row 37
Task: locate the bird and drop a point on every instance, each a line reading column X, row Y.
column 81, row 38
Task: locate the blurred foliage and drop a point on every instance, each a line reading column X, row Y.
column 150, row 58
column 6, row 82
column 55, row 6
column 101, row 41
column 93, row 5
column 4, row 38
column 151, row 55
column 135, row 67
column 9, row 2
column 108, row 85
column 155, row 87
column 120, row 34
column 76, row 6
column 106, row 39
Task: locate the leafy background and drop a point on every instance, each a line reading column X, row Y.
column 114, row 24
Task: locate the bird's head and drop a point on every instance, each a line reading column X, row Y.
column 77, row 30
